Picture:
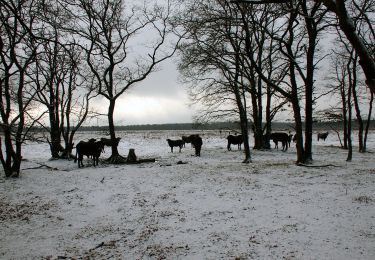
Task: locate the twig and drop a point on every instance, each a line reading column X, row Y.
column 71, row 190
column 110, row 243
column 41, row 166
column 100, row 245
column 317, row 166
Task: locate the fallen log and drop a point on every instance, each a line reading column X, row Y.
column 132, row 158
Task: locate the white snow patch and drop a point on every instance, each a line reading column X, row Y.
column 212, row 207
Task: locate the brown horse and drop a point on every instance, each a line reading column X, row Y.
column 322, row 136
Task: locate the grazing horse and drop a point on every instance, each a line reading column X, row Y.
column 175, row 143
column 90, row 148
column 322, row 136
column 234, row 139
column 108, row 141
column 187, row 139
column 280, row 137
column 196, row 142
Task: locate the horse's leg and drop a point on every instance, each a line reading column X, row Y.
column 80, row 159
column 285, row 146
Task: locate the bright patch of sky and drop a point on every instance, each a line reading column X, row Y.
column 158, row 99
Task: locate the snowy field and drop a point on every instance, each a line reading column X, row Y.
column 209, row 207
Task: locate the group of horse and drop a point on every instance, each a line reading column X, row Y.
column 195, row 140
column 276, row 137
column 93, row 148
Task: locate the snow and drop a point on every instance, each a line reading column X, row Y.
column 211, row 207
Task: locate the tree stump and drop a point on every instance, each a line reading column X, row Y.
column 132, row 158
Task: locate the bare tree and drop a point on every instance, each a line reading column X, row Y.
column 64, row 87
column 212, row 59
column 350, row 91
column 107, row 29
column 264, row 50
column 289, row 45
column 350, row 73
column 17, row 51
column 77, row 93
column 364, row 25
column 49, row 75
column 366, row 59
column 298, row 40
column 341, row 78
column 338, row 7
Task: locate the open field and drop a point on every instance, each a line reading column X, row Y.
column 208, row 207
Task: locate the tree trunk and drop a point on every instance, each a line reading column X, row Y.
column 344, row 115
column 301, row 158
column 309, row 83
column 368, row 123
column 111, row 126
column 308, row 117
column 259, row 143
column 257, row 125
column 353, row 71
column 299, row 133
column 115, row 156
column 243, row 123
column 350, row 147
column 361, row 147
column 6, row 159
column 55, row 144
column 266, row 143
column 367, row 61
column 350, row 81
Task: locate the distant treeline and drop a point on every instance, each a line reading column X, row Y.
column 276, row 126
column 230, row 126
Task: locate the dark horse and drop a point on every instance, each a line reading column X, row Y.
column 234, row 139
column 322, row 136
column 177, row 143
column 108, row 142
column 280, row 137
column 197, row 142
column 90, row 148
column 189, row 139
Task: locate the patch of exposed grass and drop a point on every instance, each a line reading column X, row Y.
column 363, row 199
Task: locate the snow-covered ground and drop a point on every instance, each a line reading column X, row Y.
column 210, row 207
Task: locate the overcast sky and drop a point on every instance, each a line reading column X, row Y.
column 159, row 99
